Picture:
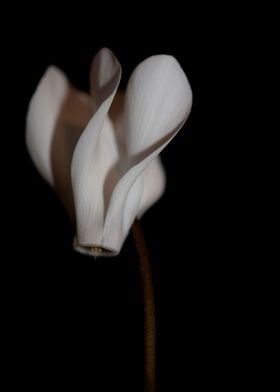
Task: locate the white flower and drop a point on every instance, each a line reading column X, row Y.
column 105, row 165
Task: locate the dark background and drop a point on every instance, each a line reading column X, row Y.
column 76, row 321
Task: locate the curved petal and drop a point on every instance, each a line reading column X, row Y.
column 95, row 157
column 157, row 104
column 42, row 115
column 158, row 98
column 56, row 117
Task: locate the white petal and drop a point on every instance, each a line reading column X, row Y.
column 104, row 76
column 153, row 187
column 158, row 102
column 158, row 98
column 57, row 115
column 42, row 115
column 95, row 157
column 153, row 177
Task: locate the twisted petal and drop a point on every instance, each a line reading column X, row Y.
column 95, row 157
column 157, row 103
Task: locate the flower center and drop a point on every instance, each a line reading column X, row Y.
column 98, row 250
column 93, row 249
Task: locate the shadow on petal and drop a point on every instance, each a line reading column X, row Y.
column 137, row 158
column 73, row 117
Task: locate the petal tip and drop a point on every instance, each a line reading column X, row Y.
column 52, row 71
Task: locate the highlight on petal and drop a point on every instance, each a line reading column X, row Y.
column 95, row 158
column 157, row 103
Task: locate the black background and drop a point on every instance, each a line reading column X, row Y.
column 76, row 321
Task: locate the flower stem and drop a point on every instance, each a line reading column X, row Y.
column 149, row 307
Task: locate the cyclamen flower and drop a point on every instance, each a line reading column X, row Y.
column 100, row 151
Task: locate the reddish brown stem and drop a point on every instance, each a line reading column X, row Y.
column 149, row 307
